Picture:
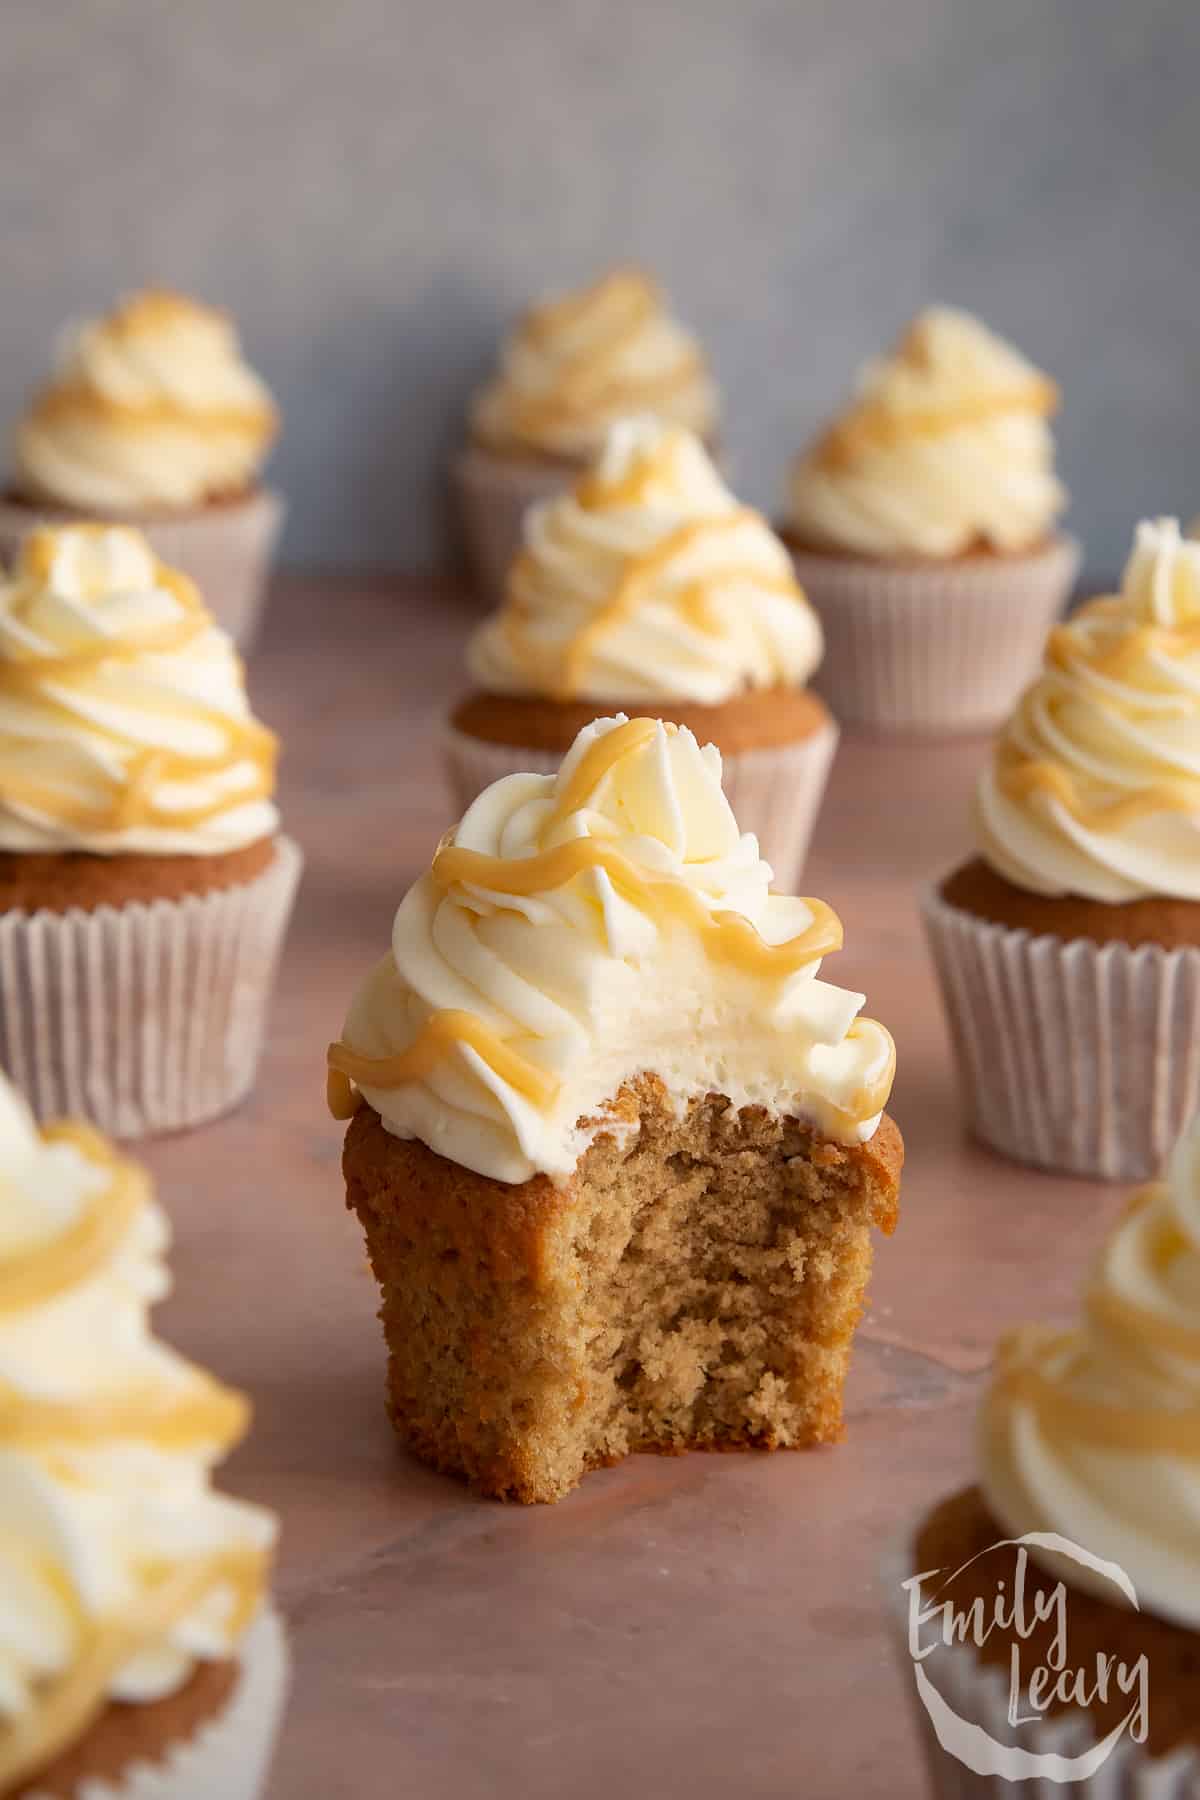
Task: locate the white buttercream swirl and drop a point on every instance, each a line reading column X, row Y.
column 945, row 449
column 577, row 363
column 626, row 927
column 1094, row 1433
column 648, row 582
column 150, row 407
column 124, row 723
column 120, row 1567
column 1094, row 788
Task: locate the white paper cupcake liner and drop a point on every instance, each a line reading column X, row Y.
column 1075, row 1056
column 226, row 549
column 775, row 793
column 492, row 494
column 936, row 647
column 146, row 1017
column 229, row 1756
column 977, row 1694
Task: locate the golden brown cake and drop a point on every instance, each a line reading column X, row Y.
column 616, row 1150
column 763, row 720
column 697, row 1291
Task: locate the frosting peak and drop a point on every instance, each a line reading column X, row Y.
column 581, row 929
column 945, row 449
column 580, row 361
column 119, row 1564
column 1095, row 1433
column 1094, row 788
column 124, row 724
column 151, row 406
column 648, row 581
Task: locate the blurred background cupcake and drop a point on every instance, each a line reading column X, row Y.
column 1068, row 947
column 573, row 366
column 647, row 588
column 1092, row 1435
column 923, row 524
column 152, row 417
column 144, row 884
column 139, row 1658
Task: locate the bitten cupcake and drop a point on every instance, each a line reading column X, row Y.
column 139, row 1656
column 144, row 886
column 1055, row 1606
column 152, row 418
column 616, row 1150
column 648, row 588
column 1068, row 948
column 923, row 523
column 573, row 366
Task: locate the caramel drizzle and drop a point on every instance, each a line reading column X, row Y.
column 64, row 1713
column 591, row 378
column 130, row 802
column 565, row 672
column 876, row 426
column 38, row 1275
column 1066, row 1416
column 726, row 936
column 202, row 1412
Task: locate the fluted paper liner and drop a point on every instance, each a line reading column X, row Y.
column 978, row 1693
column 146, row 1017
column 776, row 793
column 228, row 1757
column 492, row 495
column 1075, row 1056
column 225, row 548
column 937, row 647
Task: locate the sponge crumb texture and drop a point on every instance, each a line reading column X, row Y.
column 695, row 1284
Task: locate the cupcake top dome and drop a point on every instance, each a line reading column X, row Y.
column 1094, row 786
column 580, row 929
column 120, row 1566
column 648, row 581
column 1094, row 1433
column 150, row 407
column 124, row 723
column 579, row 361
column 944, row 450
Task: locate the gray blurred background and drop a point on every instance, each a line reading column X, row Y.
column 374, row 187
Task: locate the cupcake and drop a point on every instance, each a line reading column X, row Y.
column 574, row 365
column 144, row 886
column 152, row 418
column 617, row 1152
column 1054, row 1607
column 1068, row 947
column 139, row 1657
column 647, row 588
column 923, row 528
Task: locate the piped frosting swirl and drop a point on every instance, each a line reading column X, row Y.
column 124, row 723
column 1094, row 787
column 945, row 449
column 1094, row 1432
column 581, row 929
column 120, row 1566
column 577, row 363
column 648, row 581
column 151, row 407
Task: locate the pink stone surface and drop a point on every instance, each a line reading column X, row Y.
column 702, row 1626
